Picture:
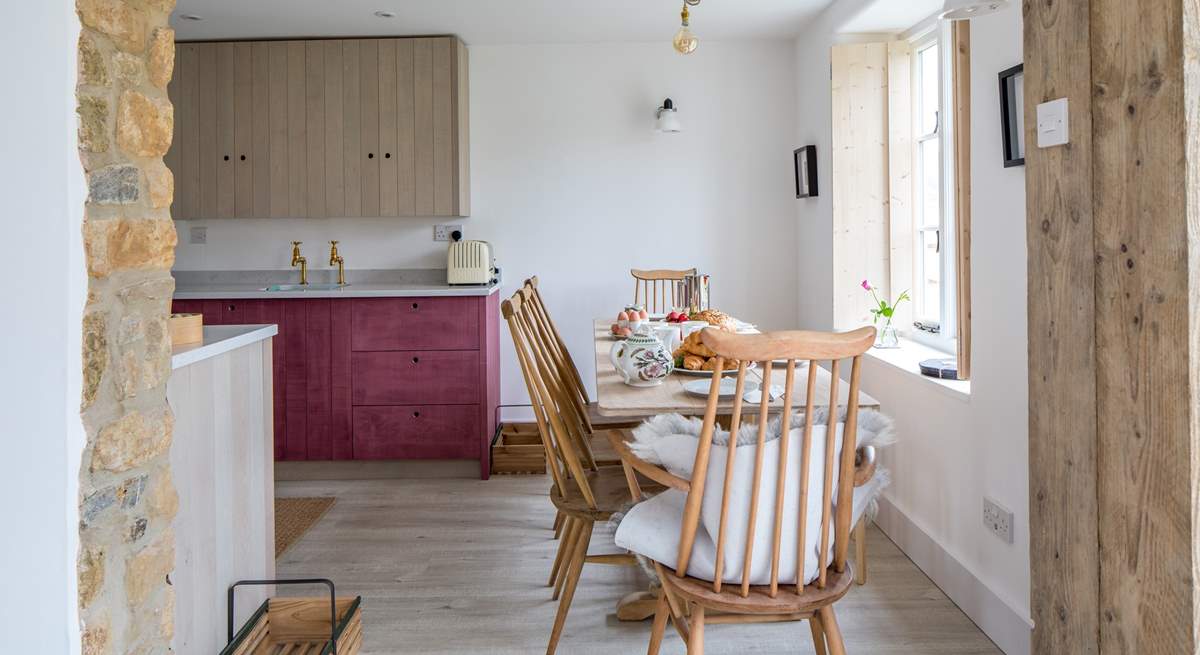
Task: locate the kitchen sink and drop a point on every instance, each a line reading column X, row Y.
column 305, row 287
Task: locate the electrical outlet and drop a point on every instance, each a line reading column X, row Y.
column 998, row 519
column 198, row 236
column 443, row 232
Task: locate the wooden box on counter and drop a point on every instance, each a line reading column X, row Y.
column 378, row 378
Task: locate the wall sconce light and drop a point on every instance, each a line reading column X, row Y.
column 668, row 117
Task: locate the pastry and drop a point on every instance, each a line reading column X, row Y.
column 692, row 345
column 716, row 318
column 693, row 362
column 730, row 364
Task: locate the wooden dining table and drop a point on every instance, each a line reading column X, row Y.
column 614, row 398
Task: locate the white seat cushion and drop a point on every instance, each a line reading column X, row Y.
column 652, row 528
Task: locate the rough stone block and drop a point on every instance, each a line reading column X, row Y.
column 95, row 503
column 144, row 124
column 137, row 529
column 132, row 440
column 113, row 185
column 91, row 575
column 92, row 70
column 93, row 124
column 147, row 570
column 130, row 69
column 95, row 355
column 125, row 25
column 161, row 63
column 160, row 185
column 163, row 501
column 131, row 490
column 95, row 639
column 128, row 244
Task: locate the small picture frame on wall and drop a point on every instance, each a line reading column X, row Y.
column 1012, row 115
column 804, row 159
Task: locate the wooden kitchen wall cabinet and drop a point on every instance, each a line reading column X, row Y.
column 321, row 129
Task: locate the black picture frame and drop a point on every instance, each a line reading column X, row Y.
column 1012, row 124
column 804, row 163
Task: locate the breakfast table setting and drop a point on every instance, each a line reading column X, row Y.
column 648, row 364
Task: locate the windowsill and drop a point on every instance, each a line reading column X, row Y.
column 907, row 358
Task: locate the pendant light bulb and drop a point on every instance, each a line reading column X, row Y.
column 685, row 41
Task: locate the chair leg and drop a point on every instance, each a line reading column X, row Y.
column 695, row 645
column 572, row 579
column 833, row 634
column 818, row 634
column 564, row 546
column 558, row 524
column 860, row 552
column 662, row 612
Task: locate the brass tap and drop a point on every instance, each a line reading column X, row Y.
column 302, row 262
column 335, row 258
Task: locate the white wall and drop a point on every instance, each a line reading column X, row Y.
column 952, row 452
column 41, row 181
column 571, row 183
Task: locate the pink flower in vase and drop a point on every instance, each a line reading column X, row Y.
column 866, row 285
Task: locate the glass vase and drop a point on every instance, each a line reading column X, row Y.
column 887, row 337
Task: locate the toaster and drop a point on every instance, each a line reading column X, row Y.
column 470, row 262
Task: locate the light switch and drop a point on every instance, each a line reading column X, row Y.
column 1052, row 129
column 198, row 236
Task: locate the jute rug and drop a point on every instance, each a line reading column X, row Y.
column 294, row 517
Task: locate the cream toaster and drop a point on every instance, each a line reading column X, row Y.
column 470, row 262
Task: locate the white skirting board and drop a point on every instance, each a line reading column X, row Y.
column 998, row 620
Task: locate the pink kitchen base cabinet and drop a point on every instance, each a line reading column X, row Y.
column 378, row 378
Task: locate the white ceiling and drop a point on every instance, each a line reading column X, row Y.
column 890, row 16
column 495, row 21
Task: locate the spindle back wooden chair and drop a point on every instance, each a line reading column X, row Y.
column 582, row 494
column 655, row 287
column 746, row 603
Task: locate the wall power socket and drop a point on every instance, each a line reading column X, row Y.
column 444, row 232
column 998, row 520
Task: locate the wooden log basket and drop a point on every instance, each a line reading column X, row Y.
column 298, row 626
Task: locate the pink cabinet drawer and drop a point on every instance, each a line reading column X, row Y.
column 415, row 377
column 415, row 324
column 417, row 432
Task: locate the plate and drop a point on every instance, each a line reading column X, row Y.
column 728, row 387
column 708, row 374
column 755, row 397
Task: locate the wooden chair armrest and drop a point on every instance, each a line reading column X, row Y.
column 652, row 471
column 864, row 465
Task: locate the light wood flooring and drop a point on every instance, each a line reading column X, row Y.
column 460, row 566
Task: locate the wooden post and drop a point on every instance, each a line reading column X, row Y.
column 1114, row 335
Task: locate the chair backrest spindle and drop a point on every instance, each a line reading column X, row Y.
column 815, row 348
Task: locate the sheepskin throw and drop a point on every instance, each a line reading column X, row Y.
column 652, row 528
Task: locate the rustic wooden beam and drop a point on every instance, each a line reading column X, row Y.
column 1143, row 149
column 1063, row 544
column 1114, row 329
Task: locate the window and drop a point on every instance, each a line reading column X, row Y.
column 933, row 224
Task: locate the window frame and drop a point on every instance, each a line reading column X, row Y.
column 945, row 339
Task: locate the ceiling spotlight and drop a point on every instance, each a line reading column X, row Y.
column 967, row 9
column 383, row 13
column 190, row 17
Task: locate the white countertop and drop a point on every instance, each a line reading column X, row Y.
column 366, row 283
column 368, row 290
column 219, row 339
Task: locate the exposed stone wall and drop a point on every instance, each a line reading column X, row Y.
column 127, row 499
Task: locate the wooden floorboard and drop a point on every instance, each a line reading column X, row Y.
column 459, row 566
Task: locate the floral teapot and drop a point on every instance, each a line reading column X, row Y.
column 642, row 360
